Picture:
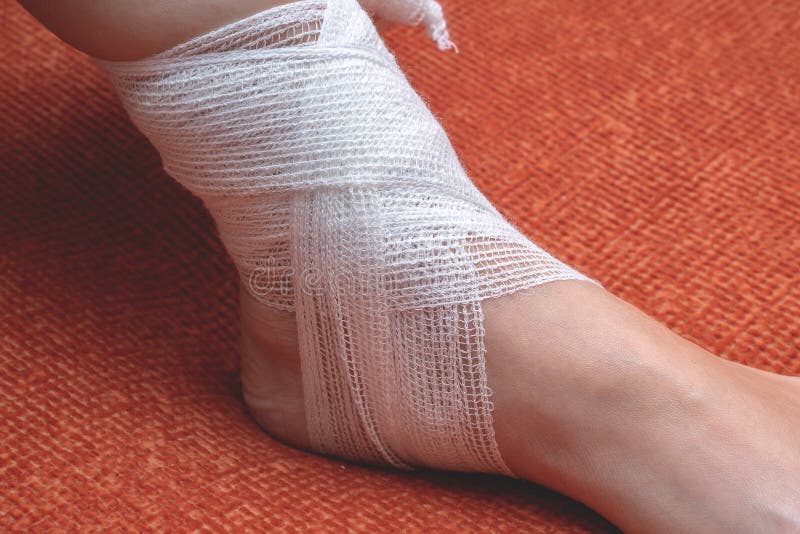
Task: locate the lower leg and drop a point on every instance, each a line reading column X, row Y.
column 122, row 31
column 133, row 30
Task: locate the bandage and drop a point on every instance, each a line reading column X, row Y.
column 340, row 198
column 411, row 13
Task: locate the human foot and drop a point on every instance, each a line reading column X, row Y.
column 314, row 154
column 598, row 401
column 594, row 399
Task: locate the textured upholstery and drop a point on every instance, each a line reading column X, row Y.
column 653, row 145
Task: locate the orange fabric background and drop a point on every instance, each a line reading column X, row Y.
column 653, row 145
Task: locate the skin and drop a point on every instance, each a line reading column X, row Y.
column 133, row 29
column 592, row 397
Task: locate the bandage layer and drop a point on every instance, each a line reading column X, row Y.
column 339, row 197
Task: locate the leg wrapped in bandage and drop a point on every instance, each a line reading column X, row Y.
column 340, row 198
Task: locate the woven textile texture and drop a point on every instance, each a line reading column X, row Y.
column 653, row 146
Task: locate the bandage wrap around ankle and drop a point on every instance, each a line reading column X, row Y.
column 339, row 196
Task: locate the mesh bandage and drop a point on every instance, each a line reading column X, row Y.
column 340, row 198
column 411, row 13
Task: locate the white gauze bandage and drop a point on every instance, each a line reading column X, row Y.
column 339, row 197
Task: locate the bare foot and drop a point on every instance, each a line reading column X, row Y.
column 598, row 401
